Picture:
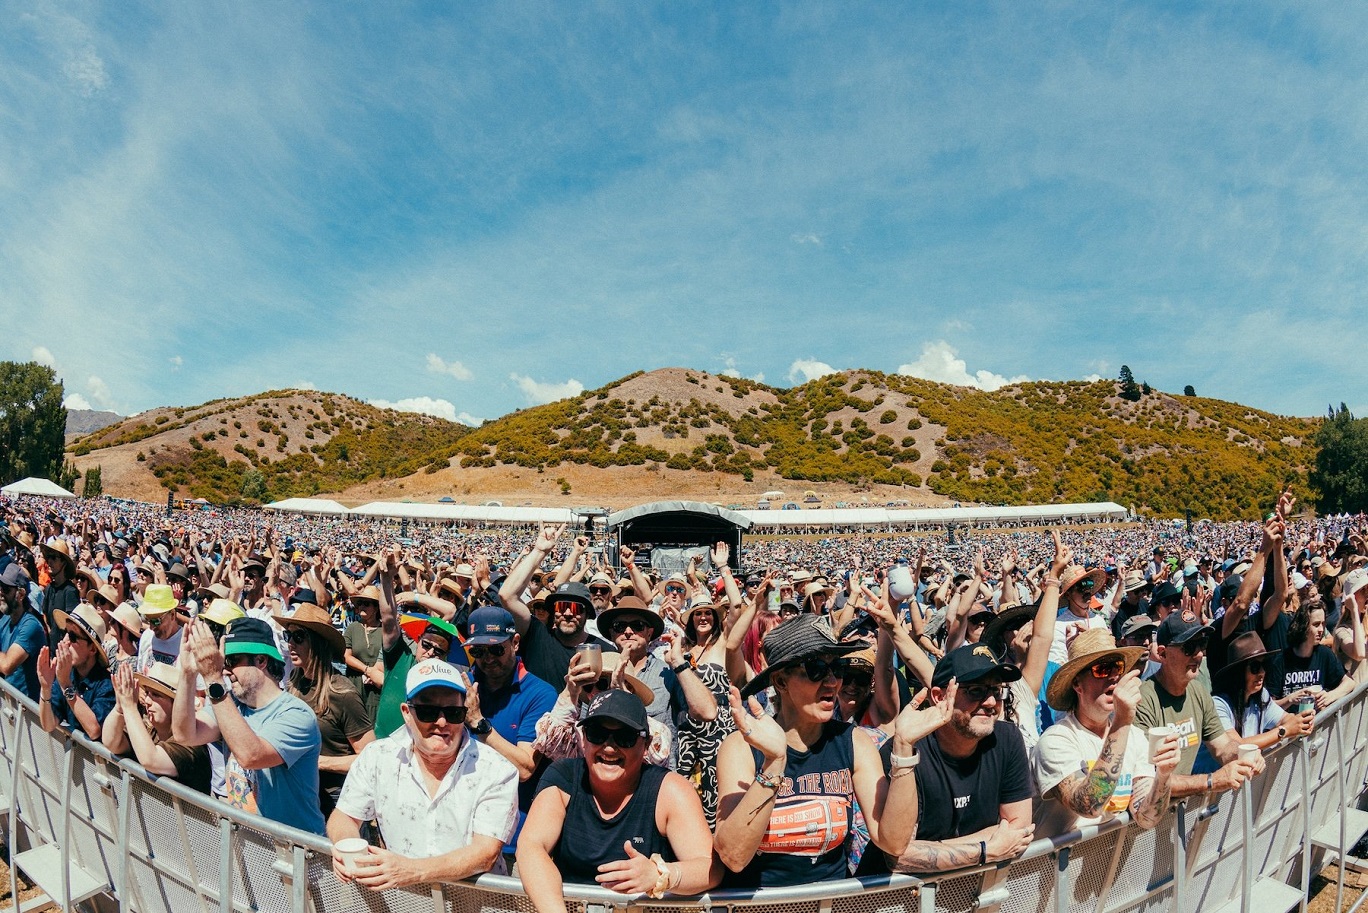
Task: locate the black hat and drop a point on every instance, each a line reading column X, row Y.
column 792, row 641
column 303, row 594
column 1165, row 590
column 972, row 663
column 573, row 591
column 178, row 570
column 631, row 605
column 252, row 636
column 620, row 706
column 1007, row 620
column 1179, row 630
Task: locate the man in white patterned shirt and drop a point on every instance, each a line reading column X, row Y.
column 445, row 803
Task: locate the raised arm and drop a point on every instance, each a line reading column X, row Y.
column 510, row 594
column 1046, row 617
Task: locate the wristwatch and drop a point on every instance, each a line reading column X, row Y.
column 216, row 692
column 484, row 727
column 897, row 762
column 70, row 693
column 1282, row 733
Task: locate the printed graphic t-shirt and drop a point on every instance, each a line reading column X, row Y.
column 1067, row 748
column 1192, row 712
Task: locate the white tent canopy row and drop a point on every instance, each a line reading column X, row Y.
column 39, row 487
column 309, row 506
column 473, row 513
column 937, row 516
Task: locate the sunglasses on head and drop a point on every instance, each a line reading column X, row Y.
column 598, row 734
column 1107, row 668
column 980, row 693
column 494, row 651
column 428, row 713
column 635, row 625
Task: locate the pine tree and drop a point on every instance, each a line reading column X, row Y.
column 1129, row 388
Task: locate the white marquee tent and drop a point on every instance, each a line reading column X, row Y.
column 309, row 506
column 464, row 513
column 39, row 487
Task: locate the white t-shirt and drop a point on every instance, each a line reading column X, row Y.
column 1067, row 748
column 1026, row 704
column 1059, row 647
column 153, row 649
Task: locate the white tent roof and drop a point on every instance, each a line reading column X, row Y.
column 465, row 512
column 309, row 506
column 877, row 516
column 35, row 486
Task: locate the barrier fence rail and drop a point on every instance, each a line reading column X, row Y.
column 94, row 830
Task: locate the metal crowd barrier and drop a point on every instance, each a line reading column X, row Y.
column 99, row 832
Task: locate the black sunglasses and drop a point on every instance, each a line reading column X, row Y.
column 297, row 636
column 598, row 734
column 493, row 651
column 1195, row 646
column 635, row 625
column 600, row 590
column 817, row 670
column 428, row 713
column 434, row 646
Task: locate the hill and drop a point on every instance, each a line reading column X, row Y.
column 299, row 442
column 84, row 421
column 853, row 436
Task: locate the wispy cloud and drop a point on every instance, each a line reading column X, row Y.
column 940, row 362
column 806, row 369
column 539, row 393
column 77, row 401
column 437, row 365
column 44, row 357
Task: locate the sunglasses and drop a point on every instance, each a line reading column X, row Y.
column 817, row 670
column 494, row 651
column 568, row 608
column 1086, row 585
column 428, row 713
column 1195, row 646
column 599, row 734
column 434, row 646
column 215, row 628
column 1256, row 666
column 600, row 590
column 78, row 638
column 858, row 679
column 297, row 636
column 678, row 590
column 241, row 659
column 254, row 575
column 1171, row 601
column 1108, row 669
column 603, row 684
column 980, row 693
column 635, row 625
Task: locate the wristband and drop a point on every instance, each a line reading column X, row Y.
column 983, row 852
column 1050, row 581
column 904, row 763
column 685, row 666
column 768, row 782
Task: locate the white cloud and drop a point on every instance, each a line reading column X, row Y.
column 807, row 239
column 86, row 71
column 77, row 401
column 940, row 362
column 437, row 365
column 539, row 393
column 427, row 405
column 1093, row 378
column 43, row 356
column 304, row 385
column 731, row 370
column 100, row 393
column 176, row 361
column 806, row 369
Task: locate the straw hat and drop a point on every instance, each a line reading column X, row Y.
column 58, row 550
column 1087, row 648
column 371, row 592
column 126, row 616
column 611, row 661
column 105, row 592
column 215, row 591
column 162, row 678
column 1009, row 619
column 91, row 578
column 312, row 618
column 222, row 612
column 86, row 619
column 1074, row 573
column 157, row 600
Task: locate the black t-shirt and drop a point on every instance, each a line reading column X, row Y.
column 549, row 659
column 960, row 796
column 63, row 598
column 593, row 840
column 1275, row 635
column 1292, row 673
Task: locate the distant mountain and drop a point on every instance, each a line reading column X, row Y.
column 84, row 421
column 858, row 436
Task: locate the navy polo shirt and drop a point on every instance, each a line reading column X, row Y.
column 513, row 711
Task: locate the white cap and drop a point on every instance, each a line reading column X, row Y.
column 432, row 672
column 1354, row 582
column 1299, row 581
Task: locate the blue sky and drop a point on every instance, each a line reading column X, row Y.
column 470, row 208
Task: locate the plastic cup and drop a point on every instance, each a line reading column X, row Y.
column 349, row 851
column 593, row 655
column 901, row 586
column 1248, row 752
column 1315, row 689
column 1157, row 736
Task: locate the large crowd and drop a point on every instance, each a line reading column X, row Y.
column 442, row 702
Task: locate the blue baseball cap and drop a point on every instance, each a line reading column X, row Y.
column 490, row 625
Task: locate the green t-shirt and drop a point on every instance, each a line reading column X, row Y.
column 398, row 661
column 1192, row 712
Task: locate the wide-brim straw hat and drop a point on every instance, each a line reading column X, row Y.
column 1074, row 573
column 815, row 587
column 87, row 619
column 90, row 577
column 1089, row 647
column 58, row 550
column 792, row 641
column 371, row 593
column 127, row 617
column 310, row 617
column 611, row 661
column 162, row 678
column 157, row 600
column 222, row 612
column 215, row 591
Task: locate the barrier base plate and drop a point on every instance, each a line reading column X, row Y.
column 1266, row 895
column 1328, row 834
column 43, row 866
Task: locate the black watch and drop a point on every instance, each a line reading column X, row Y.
column 484, row 727
column 216, row 692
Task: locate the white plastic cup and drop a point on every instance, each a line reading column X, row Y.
column 901, row 586
column 349, row 851
column 1248, row 752
column 593, row 655
column 1315, row 689
column 1157, row 736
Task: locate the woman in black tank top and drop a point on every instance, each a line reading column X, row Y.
column 610, row 818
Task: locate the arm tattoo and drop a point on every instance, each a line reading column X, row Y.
column 923, row 856
column 1086, row 794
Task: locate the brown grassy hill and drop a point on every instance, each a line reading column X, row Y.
column 853, row 437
